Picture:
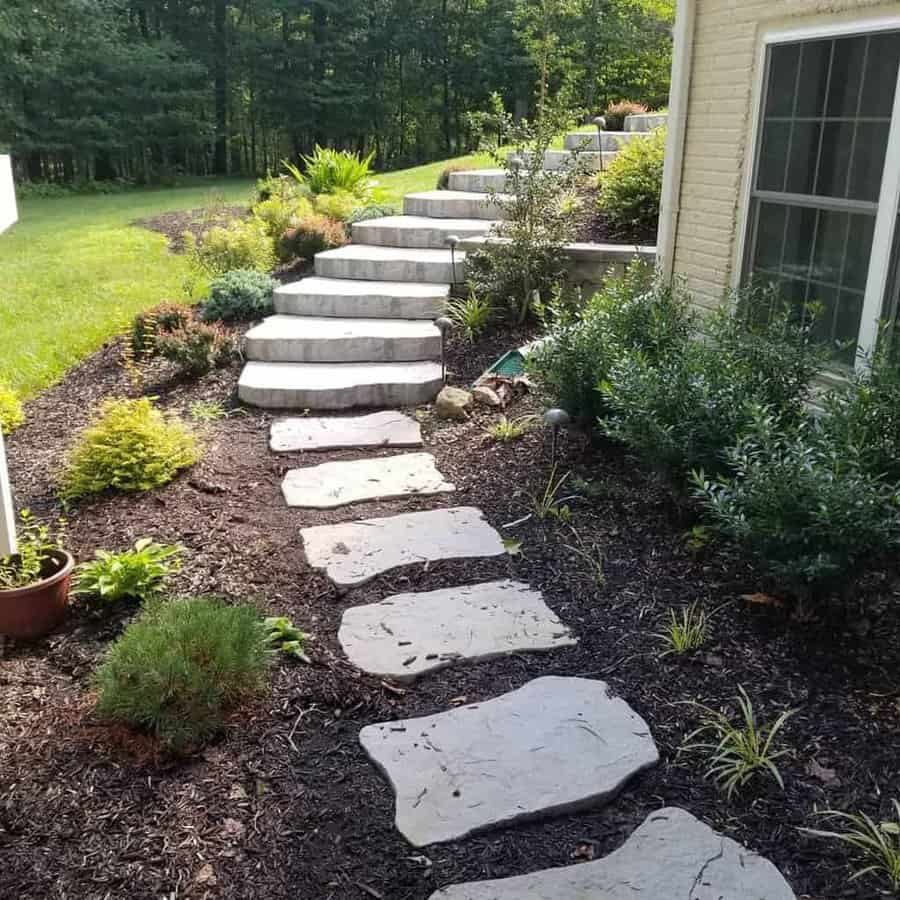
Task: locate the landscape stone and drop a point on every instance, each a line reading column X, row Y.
column 380, row 429
column 672, row 855
column 338, row 483
column 486, row 396
column 353, row 553
column 453, row 403
column 407, row 635
column 554, row 746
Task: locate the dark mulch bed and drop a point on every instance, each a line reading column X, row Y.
column 194, row 221
column 285, row 805
column 595, row 226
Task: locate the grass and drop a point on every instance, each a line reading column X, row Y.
column 73, row 272
column 394, row 185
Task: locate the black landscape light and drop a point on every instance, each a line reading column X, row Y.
column 556, row 419
column 443, row 324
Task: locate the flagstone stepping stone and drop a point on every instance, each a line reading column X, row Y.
column 672, row 855
column 553, row 746
column 408, row 634
column 381, row 429
column 353, row 553
column 383, row 478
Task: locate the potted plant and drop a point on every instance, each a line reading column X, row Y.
column 34, row 583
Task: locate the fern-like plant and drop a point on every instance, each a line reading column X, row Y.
column 327, row 171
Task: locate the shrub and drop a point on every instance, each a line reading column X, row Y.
column 179, row 668
column 311, row 236
column 631, row 186
column 242, row 245
column 633, row 312
column 11, row 413
column 328, row 171
column 799, row 506
column 339, row 206
column 239, row 296
column 275, row 186
column 129, row 446
column 151, row 323
column 616, row 113
column 372, row 211
column 279, row 212
column 197, row 348
column 135, row 574
column 685, row 408
column 443, row 182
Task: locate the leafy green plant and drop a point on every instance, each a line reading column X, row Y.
column 11, row 413
column 631, row 185
column 36, row 542
column 281, row 210
column 739, row 752
column 687, row 632
column 241, row 245
column 286, row 637
column 801, row 507
column 179, row 668
column 548, row 504
column 207, row 411
column 698, row 538
column 635, row 312
column 327, row 171
column 129, row 446
column 505, row 430
column 616, row 113
column 313, row 235
column 242, row 295
column 876, row 845
column 135, row 574
column 488, row 128
column 197, row 348
column 471, row 315
column 339, row 205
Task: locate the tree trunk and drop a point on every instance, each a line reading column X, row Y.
column 220, row 69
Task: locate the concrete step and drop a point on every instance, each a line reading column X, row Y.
column 451, row 205
column 338, row 385
column 554, row 160
column 645, row 122
column 590, row 140
column 479, row 181
column 371, row 263
column 417, row 231
column 329, row 340
column 343, row 297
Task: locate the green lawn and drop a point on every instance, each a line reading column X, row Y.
column 73, row 271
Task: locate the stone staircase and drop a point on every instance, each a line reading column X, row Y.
column 361, row 332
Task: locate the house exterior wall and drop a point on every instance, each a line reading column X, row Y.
column 718, row 148
column 8, row 213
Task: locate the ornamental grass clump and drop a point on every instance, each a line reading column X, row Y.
column 129, row 446
column 181, row 667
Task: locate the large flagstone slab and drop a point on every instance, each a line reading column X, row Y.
column 553, row 746
column 353, row 553
column 672, row 856
column 380, row 429
column 351, row 481
column 407, row 635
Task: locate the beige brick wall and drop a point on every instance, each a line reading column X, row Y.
column 727, row 39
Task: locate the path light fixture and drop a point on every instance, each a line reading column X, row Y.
column 600, row 122
column 556, row 418
column 443, row 324
column 452, row 241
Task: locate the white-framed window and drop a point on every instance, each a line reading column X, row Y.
column 822, row 216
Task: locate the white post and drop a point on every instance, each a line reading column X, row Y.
column 8, row 215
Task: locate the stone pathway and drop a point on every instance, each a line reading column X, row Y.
column 381, row 429
column 407, row 635
column 672, row 856
column 553, row 746
column 383, row 478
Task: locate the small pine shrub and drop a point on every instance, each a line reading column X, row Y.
column 179, row 668
column 11, row 413
column 242, row 245
column 129, row 446
column 631, row 186
column 805, row 511
column 372, row 211
column 279, row 212
column 443, row 182
column 135, row 574
column 339, row 205
column 328, row 171
column 616, row 113
column 313, row 235
column 635, row 312
column 197, row 347
column 239, row 296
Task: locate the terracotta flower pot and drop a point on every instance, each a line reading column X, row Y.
column 35, row 610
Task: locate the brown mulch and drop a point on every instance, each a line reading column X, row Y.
column 595, row 226
column 285, row 804
column 194, row 221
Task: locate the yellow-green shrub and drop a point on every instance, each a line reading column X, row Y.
column 11, row 414
column 340, row 205
column 129, row 446
column 313, row 235
column 632, row 183
column 242, row 245
column 281, row 211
